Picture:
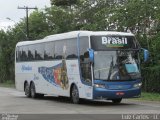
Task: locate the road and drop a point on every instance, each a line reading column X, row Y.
column 15, row 102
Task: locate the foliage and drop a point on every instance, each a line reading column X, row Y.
column 151, row 80
column 154, row 48
column 8, row 83
column 59, row 20
column 149, row 96
column 38, row 27
column 63, row 2
column 141, row 17
column 3, row 66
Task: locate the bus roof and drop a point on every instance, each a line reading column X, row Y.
column 73, row 34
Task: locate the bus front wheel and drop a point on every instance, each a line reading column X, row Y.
column 117, row 101
column 75, row 95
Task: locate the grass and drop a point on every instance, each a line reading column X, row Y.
column 8, row 83
column 149, row 96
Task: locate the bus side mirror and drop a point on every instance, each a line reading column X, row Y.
column 91, row 55
column 145, row 54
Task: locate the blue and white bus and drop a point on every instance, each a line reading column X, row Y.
column 98, row 65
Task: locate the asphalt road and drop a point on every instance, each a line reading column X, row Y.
column 15, row 102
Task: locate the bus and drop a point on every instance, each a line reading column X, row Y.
column 92, row 65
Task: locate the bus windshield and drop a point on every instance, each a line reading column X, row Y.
column 116, row 65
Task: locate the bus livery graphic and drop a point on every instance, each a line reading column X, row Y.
column 56, row 75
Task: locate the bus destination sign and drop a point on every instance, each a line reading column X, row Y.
column 114, row 41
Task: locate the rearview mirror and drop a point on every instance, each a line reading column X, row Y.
column 91, row 55
column 145, row 54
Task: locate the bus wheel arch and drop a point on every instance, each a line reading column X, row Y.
column 74, row 93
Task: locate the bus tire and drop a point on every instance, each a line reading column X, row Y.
column 75, row 95
column 27, row 90
column 117, row 101
column 33, row 90
column 40, row 95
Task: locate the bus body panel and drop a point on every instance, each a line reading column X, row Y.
column 42, row 73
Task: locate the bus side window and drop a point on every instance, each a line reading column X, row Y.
column 20, row 54
column 71, row 49
column 59, row 50
column 24, row 55
column 49, row 51
column 31, row 53
column 17, row 55
column 39, row 52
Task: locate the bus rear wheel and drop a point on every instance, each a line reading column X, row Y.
column 75, row 95
column 33, row 91
column 117, row 101
column 27, row 90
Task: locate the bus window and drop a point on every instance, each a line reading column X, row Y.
column 24, row 54
column 17, row 54
column 59, row 49
column 31, row 53
column 49, row 51
column 20, row 54
column 39, row 52
column 71, row 50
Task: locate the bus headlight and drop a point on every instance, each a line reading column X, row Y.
column 99, row 85
column 137, row 85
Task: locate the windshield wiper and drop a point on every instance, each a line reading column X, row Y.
column 110, row 69
column 99, row 74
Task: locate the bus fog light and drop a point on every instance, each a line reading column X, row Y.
column 99, row 85
column 137, row 85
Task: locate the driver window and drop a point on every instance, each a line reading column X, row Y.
column 85, row 67
column 84, row 60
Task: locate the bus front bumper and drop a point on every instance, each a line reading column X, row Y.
column 100, row 93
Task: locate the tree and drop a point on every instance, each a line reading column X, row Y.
column 59, row 20
column 38, row 25
column 63, row 2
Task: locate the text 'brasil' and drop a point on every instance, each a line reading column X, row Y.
column 114, row 41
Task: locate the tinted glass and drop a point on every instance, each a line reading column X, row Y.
column 71, row 48
column 24, row 53
column 31, row 52
column 17, row 54
column 59, row 49
column 39, row 52
column 49, row 51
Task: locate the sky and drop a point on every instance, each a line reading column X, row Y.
column 8, row 9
